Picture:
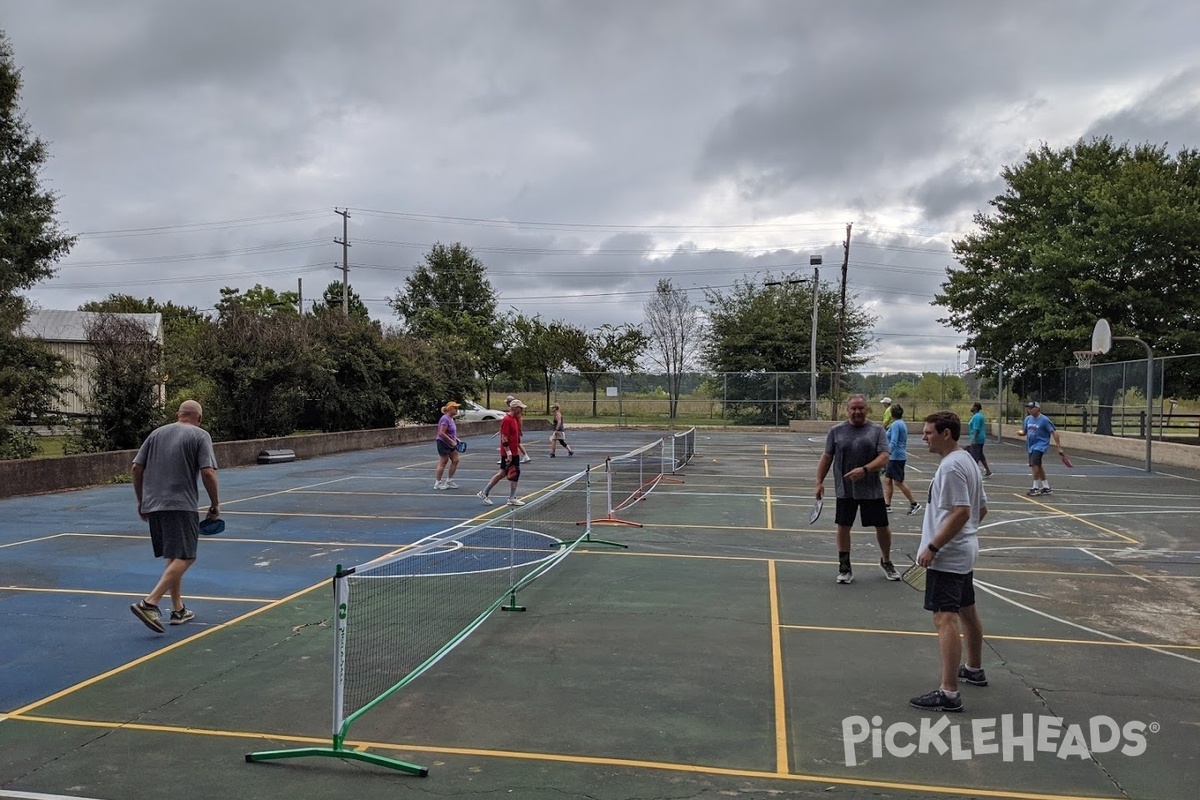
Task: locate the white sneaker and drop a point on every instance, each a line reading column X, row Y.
column 449, row 485
column 487, row 501
column 525, row 459
column 516, row 502
column 439, row 485
column 845, row 577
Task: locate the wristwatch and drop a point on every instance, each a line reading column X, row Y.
column 933, row 548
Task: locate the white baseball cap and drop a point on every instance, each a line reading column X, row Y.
column 887, row 401
column 515, row 403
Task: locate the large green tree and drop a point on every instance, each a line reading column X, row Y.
column 606, row 350
column 1094, row 230
column 544, row 348
column 31, row 242
column 763, row 327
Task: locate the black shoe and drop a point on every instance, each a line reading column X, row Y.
column 1034, row 492
column 889, row 570
column 914, row 508
column 150, row 616
column 937, row 700
column 975, row 677
column 1045, row 490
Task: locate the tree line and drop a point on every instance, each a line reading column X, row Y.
column 1093, row 230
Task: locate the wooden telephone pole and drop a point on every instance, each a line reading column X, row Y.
column 345, row 243
column 837, row 368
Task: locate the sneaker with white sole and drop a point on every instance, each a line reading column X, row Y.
column 439, row 485
column 150, row 615
column 513, row 501
column 1045, row 490
column 975, row 677
column 449, row 485
column 889, row 570
column 846, row 576
column 937, row 700
column 914, row 508
column 525, row 459
column 181, row 616
column 487, row 501
column 1034, row 492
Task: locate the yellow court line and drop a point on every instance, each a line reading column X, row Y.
column 770, row 510
column 1038, row 639
column 781, row 737
column 1068, row 515
column 140, row 593
column 829, row 531
column 559, row 758
column 175, row 645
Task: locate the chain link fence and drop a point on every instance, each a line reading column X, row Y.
column 1108, row 398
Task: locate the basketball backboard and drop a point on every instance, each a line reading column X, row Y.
column 1102, row 337
column 970, row 358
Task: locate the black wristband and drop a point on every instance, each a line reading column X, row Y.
column 933, row 548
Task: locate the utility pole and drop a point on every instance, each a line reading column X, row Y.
column 345, row 243
column 837, row 369
column 300, row 295
column 815, row 263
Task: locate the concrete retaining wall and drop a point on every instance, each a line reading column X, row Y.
column 35, row 476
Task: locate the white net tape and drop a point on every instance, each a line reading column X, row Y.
column 1083, row 358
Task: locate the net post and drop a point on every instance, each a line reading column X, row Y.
column 587, row 519
column 611, row 518
column 341, row 601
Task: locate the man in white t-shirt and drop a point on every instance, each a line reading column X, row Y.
column 949, row 548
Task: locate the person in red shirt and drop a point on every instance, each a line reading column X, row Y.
column 510, row 455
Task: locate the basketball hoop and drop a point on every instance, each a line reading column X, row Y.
column 1083, row 358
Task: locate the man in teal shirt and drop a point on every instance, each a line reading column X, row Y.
column 977, row 428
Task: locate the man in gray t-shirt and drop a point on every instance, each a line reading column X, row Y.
column 857, row 449
column 165, row 470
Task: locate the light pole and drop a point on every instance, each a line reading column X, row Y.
column 815, row 263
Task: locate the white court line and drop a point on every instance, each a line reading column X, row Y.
column 35, row 796
column 1141, row 578
column 1092, row 631
column 978, row 582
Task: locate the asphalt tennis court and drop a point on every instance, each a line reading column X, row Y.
column 714, row 657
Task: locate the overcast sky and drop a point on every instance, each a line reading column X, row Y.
column 582, row 149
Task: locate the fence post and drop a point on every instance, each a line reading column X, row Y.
column 1085, row 419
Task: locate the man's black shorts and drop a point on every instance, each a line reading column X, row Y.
column 874, row 512
column 1035, row 457
column 949, row 591
column 510, row 465
column 895, row 470
column 976, row 451
column 174, row 534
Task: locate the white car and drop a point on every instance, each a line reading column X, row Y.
column 473, row 412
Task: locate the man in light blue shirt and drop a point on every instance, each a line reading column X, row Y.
column 893, row 474
column 977, row 428
column 1038, row 430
